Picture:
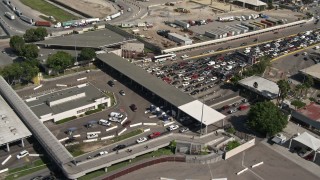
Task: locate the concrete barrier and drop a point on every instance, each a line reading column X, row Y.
column 4, row 170
column 61, row 85
column 256, row 165
column 71, row 144
column 82, row 85
column 242, row 171
column 146, row 130
column 6, row 160
column 149, row 124
column 77, row 135
column 35, row 155
column 109, row 129
column 90, row 140
column 137, row 124
column 167, row 124
column 81, row 79
column 63, row 139
column 96, row 132
column 124, row 120
column 107, row 137
column 37, row 87
column 122, row 131
column 152, row 116
column 239, row 149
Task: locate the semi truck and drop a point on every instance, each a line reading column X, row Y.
column 108, row 18
column 26, row 19
column 9, row 15
column 92, row 20
column 226, row 19
column 43, row 23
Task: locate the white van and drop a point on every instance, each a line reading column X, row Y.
column 22, row 154
column 116, row 114
column 104, row 122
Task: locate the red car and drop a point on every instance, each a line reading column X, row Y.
column 154, row 135
column 125, row 124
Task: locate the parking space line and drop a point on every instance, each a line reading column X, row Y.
column 242, row 163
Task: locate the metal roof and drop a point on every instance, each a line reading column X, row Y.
column 265, row 87
column 48, row 141
column 95, row 39
column 253, row 2
column 180, row 37
column 313, row 71
column 140, row 76
column 11, row 126
column 40, row 106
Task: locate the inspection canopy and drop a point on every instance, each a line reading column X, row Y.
column 308, row 140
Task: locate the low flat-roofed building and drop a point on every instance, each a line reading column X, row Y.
column 265, row 87
column 308, row 115
column 179, row 39
column 313, row 71
column 11, row 127
column 256, row 5
column 68, row 102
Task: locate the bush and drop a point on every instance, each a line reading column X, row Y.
column 92, row 111
column 232, row 145
column 298, row 104
column 231, row 130
column 66, row 119
column 312, row 99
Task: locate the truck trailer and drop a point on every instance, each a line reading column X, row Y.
column 9, row 15
column 26, row 19
column 43, row 23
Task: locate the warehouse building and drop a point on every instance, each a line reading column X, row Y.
column 66, row 103
column 256, row 5
column 179, row 39
column 216, row 34
column 12, row 128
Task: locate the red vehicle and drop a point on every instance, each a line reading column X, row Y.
column 43, row 23
column 243, row 107
column 154, row 135
column 125, row 124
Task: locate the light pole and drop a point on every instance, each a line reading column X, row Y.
column 201, row 115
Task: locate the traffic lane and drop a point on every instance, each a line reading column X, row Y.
column 250, row 40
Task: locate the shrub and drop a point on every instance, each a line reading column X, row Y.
column 92, row 111
column 232, row 145
column 66, row 119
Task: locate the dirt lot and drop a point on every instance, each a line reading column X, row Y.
column 95, row 8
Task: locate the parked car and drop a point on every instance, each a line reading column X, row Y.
column 125, row 124
column 141, row 140
column 103, row 153
column 185, row 129
column 154, row 135
column 232, row 111
column 118, row 147
column 133, row 107
column 116, row 114
column 122, row 93
column 22, row 154
column 104, row 122
column 173, row 127
column 111, row 83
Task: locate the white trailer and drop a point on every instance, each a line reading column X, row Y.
column 26, row 19
column 9, row 15
column 226, row 19
column 92, row 20
column 115, row 15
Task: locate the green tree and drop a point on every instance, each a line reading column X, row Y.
column 173, row 145
column 298, row 104
column 308, row 82
column 12, row 73
column 87, row 54
column 17, row 43
column 232, row 145
column 270, row 4
column 33, row 35
column 30, row 51
column 29, row 71
column 266, row 117
column 60, row 61
column 284, row 88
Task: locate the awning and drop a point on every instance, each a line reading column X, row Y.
column 308, row 140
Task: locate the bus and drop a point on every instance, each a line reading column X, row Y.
column 170, row 56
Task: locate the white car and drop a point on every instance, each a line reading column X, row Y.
column 200, row 78
column 104, row 122
column 184, row 130
column 173, row 127
column 91, row 136
column 186, row 78
column 141, row 140
column 213, row 78
column 184, row 56
column 228, row 68
column 231, row 62
column 216, row 66
column 211, row 63
column 185, row 84
column 22, row 154
column 103, row 153
column 114, row 119
column 223, row 64
column 116, row 114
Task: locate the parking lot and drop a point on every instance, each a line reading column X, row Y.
column 275, row 166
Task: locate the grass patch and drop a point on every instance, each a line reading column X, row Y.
column 127, row 135
column 112, row 98
column 66, row 119
column 93, row 111
column 75, row 150
column 232, row 145
column 27, row 169
column 46, row 18
column 160, row 152
column 49, row 10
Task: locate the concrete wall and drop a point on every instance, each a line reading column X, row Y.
column 239, row 149
column 73, row 112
